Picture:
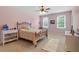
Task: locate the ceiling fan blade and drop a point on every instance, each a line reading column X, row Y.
column 48, row 9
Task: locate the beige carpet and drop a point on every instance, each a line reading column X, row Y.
column 22, row 46
column 56, row 44
column 51, row 46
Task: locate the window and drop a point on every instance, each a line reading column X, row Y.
column 61, row 21
column 45, row 22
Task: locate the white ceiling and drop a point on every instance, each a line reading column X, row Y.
column 53, row 9
column 56, row 9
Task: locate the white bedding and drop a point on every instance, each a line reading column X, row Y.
column 32, row 30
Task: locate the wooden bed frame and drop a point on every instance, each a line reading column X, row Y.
column 23, row 32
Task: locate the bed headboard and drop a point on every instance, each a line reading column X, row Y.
column 23, row 25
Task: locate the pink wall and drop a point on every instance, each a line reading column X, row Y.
column 11, row 15
column 75, row 14
column 53, row 27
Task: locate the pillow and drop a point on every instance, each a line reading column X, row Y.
column 23, row 26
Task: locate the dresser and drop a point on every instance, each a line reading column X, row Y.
column 72, row 42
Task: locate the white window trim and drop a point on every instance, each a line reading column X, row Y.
column 43, row 24
column 64, row 22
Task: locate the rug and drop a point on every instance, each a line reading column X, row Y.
column 51, row 46
column 55, row 45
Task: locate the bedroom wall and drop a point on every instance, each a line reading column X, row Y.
column 11, row 14
column 75, row 14
column 53, row 27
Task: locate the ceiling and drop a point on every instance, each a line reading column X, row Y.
column 53, row 9
column 56, row 9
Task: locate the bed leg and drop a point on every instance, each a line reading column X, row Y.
column 35, row 43
column 35, row 46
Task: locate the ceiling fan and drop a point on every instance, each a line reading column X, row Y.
column 43, row 9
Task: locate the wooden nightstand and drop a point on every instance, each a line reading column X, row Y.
column 9, row 35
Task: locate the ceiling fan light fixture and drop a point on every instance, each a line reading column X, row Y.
column 42, row 12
